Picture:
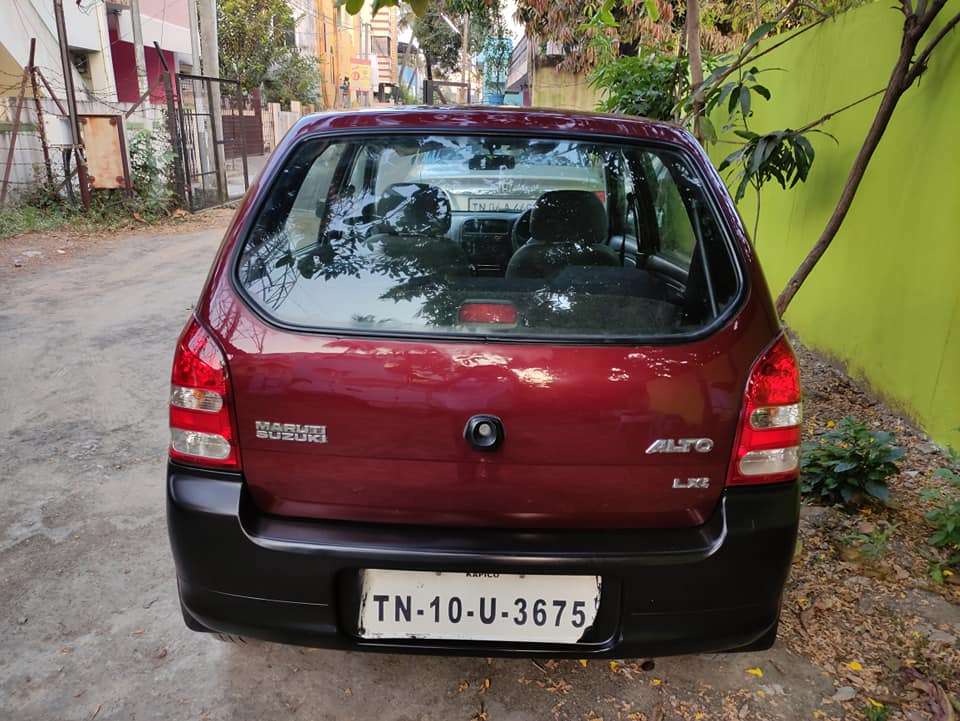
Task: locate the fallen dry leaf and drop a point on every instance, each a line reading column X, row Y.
column 755, row 671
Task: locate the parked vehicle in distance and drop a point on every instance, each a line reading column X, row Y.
column 485, row 381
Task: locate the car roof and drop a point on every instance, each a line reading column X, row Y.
column 487, row 118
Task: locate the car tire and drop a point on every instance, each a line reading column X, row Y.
column 230, row 638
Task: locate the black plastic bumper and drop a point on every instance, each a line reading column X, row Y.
column 712, row 588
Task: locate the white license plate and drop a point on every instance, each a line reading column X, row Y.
column 499, row 204
column 477, row 606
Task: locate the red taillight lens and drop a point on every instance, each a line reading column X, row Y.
column 768, row 442
column 201, row 427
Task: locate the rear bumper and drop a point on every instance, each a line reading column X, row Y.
column 712, row 588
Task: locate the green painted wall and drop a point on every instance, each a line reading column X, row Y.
column 885, row 299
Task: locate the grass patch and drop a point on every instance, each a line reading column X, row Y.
column 27, row 218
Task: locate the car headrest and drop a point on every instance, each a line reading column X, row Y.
column 568, row 216
column 415, row 209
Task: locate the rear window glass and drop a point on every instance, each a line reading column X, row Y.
column 490, row 236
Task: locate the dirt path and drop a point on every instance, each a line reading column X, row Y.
column 89, row 621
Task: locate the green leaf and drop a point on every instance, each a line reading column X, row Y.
column 353, row 6
column 653, row 10
column 730, row 159
column 419, row 6
column 877, row 490
column 842, row 466
column 746, row 134
column 708, row 130
column 847, row 494
column 762, row 29
column 732, row 104
column 761, row 91
column 745, row 101
column 759, row 155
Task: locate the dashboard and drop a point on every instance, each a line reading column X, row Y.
column 487, row 239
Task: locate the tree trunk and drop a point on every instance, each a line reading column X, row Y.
column 696, row 63
column 895, row 89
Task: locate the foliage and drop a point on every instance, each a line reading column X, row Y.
column 783, row 155
column 151, row 169
column 254, row 36
column 945, row 519
column 848, row 463
column 42, row 208
column 734, row 96
column 441, row 44
column 639, row 85
column 876, row 711
column 871, row 543
column 496, row 61
column 437, row 40
column 24, row 218
column 628, row 25
column 294, row 76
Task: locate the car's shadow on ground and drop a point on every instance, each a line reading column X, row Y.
column 394, row 686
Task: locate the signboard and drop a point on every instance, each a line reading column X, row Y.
column 360, row 74
column 106, row 153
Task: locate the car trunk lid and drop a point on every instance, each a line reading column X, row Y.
column 594, row 436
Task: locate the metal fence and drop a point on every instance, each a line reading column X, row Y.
column 206, row 162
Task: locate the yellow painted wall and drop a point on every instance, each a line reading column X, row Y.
column 555, row 89
column 885, row 299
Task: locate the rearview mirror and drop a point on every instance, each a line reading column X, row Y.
column 492, row 162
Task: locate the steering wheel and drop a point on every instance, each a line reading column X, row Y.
column 520, row 232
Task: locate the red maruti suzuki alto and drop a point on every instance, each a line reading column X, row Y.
column 485, row 381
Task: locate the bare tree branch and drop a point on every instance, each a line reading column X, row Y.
column 920, row 64
column 826, row 116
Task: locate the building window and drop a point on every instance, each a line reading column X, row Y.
column 81, row 63
column 381, row 46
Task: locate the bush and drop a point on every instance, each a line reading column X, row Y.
column 848, row 464
column 639, row 85
column 151, row 159
column 946, row 519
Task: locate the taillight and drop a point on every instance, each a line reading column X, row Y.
column 768, row 442
column 201, row 427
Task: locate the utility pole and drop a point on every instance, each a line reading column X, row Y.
column 465, row 56
column 71, row 103
column 209, row 46
column 197, row 70
column 138, row 55
column 194, row 36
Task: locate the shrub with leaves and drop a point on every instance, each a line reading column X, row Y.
column 151, row 157
column 849, row 464
column 946, row 518
column 784, row 156
column 639, row 85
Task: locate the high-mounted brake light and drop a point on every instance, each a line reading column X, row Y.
column 768, row 442
column 201, row 427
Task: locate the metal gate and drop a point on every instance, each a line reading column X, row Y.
column 446, row 92
column 213, row 150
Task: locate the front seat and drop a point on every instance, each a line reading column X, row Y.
column 567, row 228
column 415, row 219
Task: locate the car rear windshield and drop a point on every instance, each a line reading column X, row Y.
column 488, row 236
